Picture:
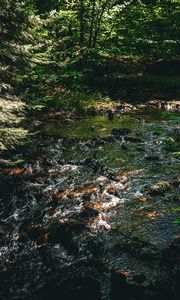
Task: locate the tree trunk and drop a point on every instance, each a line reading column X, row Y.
column 92, row 23
column 81, row 33
column 99, row 23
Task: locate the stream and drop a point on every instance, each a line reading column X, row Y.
column 93, row 211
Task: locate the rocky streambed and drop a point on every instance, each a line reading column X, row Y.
column 93, row 212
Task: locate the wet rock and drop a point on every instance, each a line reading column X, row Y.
column 173, row 105
column 125, row 107
column 159, row 188
column 120, row 131
column 121, row 178
column 82, row 192
column 114, row 188
column 133, row 139
column 88, row 190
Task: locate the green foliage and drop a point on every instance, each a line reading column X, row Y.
column 14, row 22
column 66, row 101
column 122, row 26
column 72, row 42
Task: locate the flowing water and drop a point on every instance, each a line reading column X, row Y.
column 93, row 213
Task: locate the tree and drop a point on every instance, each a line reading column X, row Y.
column 14, row 21
column 96, row 17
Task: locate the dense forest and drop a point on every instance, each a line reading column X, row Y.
column 89, row 149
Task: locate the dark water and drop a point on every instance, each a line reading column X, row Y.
column 93, row 213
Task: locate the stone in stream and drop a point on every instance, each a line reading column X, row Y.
column 120, row 131
column 84, row 192
column 159, row 188
column 121, row 178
